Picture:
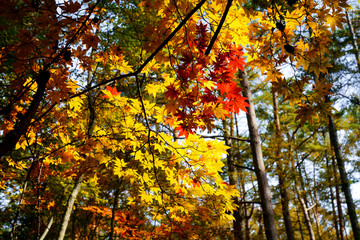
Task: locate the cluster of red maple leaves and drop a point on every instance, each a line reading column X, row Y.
column 205, row 89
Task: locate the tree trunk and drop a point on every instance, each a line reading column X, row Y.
column 113, row 210
column 10, row 139
column 70, row 206
column 345, row 185
column 260, row 234
column 300, row 225
column 238, row 224
column 353, row 39
column 264, row 189
column 306, row 214
column 13, row 234
column 328, row 178
column 246, row 214
column 47, row 229
column 315, row 208
column 281, row 173
column 302, row 201
column 338, row 202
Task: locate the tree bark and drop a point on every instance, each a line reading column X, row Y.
column 353, row 39
column 338, row 202
column 345, row 185
column 281, row 173
column 238, row 223
column 47, row 229
column 300, row 225
column 22, row 125
column 113, row 211
column 264, row 189
column 315, row 208
column 336, row 225
column 69, row 207
column 247, row 217
column 306, row 214
column 303, row 201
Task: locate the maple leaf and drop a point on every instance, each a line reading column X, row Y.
column 209, row 97
column 236, row 59
column 220, row 112
column 232, row 90
column 91, row 40
column 201, row 39
column 183, row 131
column 335, row 21
column 239, row 103
column 186, row 128
column 195, row 183
column 171, row 92
column 111, row 92
column 305, row 113
column 70, row 6
column 222, row 87
column 155, row 88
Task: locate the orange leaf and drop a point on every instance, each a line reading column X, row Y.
column 113, row 91
column 195, row 183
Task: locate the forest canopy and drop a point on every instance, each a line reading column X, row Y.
column 124, row 119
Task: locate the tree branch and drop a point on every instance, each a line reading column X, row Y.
column 162, row 45
column 248, row 168
column 222, row 20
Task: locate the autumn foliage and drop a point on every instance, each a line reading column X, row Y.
column 97, row 93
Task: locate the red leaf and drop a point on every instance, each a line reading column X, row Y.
column 180, row 192
column 195, row 183
column 183, row 131
column 113, row 92
column 237, row 104
column 171, row 92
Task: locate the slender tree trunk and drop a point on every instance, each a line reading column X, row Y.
column 338, row 201
column 70, row 206
column 246, row 214
column 238, row 224
column 264, row 189
column 334, row 214
column 345, row 185
column 47, row 229
column 302, row 201
column 306, row 214
column 247, row 221
column 260, row 234
column 281, row 173
column 13, row 234
column 336, row 225
column 113, row 210
column 302, row 184
column 353, row 39
column 73, row 226
column 300, row 225
column 315, row 208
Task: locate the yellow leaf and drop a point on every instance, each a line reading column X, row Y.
column 155, row 88
column 220, row 112
column 75, row 104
